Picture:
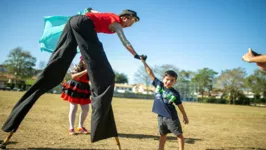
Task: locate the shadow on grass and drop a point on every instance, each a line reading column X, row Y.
column 238, row 148
column 47, row 148
column 122, row 135
column 10, row 142
column 4, row 146
column 144, row 136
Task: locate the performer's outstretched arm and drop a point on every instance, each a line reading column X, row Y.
column 116, row 27
column 260, row 60
column 251, row 58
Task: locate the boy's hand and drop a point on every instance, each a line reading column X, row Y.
column 143, row 61
column 185, row 119
column 143, row 57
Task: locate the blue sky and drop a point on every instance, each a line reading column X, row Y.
column 190, row 34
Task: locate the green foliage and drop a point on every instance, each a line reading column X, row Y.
column 160, row 70
column 142, row 76
column 185, row 76
column 29, row 81
column 257, row 83
column 133, row 95
column 20, row 63
column 67, row 76
column 212, row 100
column 231, row 82
column 243, row 101
column 204, row 77
column 121, row 78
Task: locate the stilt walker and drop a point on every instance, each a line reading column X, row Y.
column 81, row 31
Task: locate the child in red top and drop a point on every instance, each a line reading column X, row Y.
column 77, row 91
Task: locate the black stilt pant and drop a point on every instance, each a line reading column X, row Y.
column 79, row 31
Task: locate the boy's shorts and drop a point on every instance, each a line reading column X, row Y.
column 167, row 125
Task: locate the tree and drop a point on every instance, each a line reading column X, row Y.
column 185, row 76
column 160, row 70
column 121, row 78
column 68, row 74
column 187, row 89
column 67, row 77
column 204, row 77
column 42, row 65
column 20, row 63
column 142, row 76
column 231, row 82
column 257, row 83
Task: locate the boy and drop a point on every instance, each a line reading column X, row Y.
column 165, row 96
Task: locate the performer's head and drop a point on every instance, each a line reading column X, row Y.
column 128, row 18
column 169, row 78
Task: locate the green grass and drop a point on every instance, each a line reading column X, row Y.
column 212, row 126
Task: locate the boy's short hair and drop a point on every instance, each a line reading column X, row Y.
column 170, row 73
column 128, row 12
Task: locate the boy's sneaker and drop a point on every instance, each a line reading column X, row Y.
column 71, row 132
column 83, row 130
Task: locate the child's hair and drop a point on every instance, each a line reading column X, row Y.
column 80, row 67
column 170, row 73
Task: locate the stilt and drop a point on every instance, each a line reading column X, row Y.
column 3, row 145
column 118, row 143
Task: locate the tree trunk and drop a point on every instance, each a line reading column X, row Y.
column 264, row 96
column 202, row 94
column 229, row 99
column 234, row 98
column 209, row 93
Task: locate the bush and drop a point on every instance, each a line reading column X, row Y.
column 212, row 100
column 243, row 101
column 257, row 100
column 133, row 95
column 221, row 101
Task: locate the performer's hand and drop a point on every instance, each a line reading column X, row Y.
column 137, row 56
column 144, row 57
column 247, row 57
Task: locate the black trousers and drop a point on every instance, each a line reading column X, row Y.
column 79, row 31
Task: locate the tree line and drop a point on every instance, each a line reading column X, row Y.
column 232, row 83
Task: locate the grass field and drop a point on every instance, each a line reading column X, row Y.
column 212, row 127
